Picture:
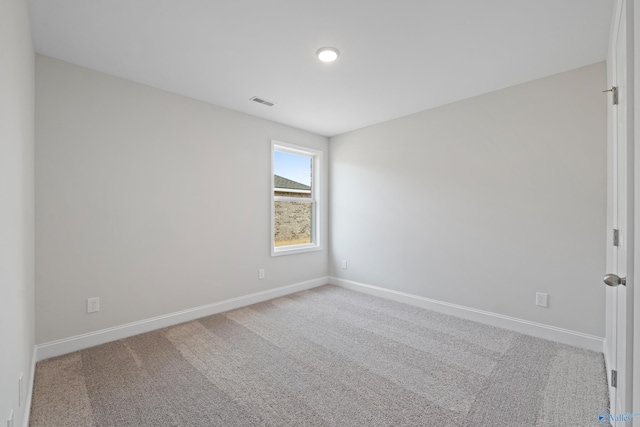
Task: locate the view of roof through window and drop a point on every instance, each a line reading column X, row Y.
column 293, row 167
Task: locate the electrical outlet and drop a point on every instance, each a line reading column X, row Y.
column 261, row 273
column 93, row 305
column 10, row 419
column 344, row 264
column 542, row 299
column 20, row 389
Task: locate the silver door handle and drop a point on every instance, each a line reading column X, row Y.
column 614, row 280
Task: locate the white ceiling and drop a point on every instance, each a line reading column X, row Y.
column 397, row 57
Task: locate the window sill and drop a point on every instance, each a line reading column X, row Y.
column 294, row 249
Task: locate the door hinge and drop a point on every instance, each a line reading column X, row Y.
column 616, row 237
column 614, row 378
column 614, row 93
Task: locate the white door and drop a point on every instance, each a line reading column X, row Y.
column 617, row 331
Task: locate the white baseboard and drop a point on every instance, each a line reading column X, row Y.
column 79, row 342
column 31, row 379
column 539, row 330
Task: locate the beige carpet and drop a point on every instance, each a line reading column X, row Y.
column 324, row 357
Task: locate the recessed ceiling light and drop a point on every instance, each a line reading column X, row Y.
column 327, row 54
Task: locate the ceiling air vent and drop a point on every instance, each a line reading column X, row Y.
column 263, row 101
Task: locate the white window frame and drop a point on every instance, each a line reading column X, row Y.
column 315, row 199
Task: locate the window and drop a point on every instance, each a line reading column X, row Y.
column 295, row 207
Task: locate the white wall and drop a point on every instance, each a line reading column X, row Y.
column 16, row 205
column 483, row 202
column 151, row 201
column 636, row 267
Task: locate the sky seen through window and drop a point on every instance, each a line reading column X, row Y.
column 292, row 166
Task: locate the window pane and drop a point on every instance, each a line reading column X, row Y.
column 295, row 214
column 293, row 223
column 292, row 172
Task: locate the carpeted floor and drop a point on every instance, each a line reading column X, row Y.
column 324, row 357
